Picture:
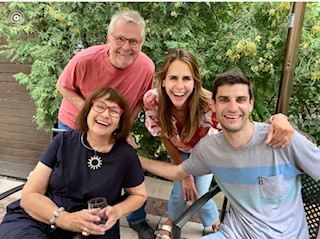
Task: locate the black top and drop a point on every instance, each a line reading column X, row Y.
column 72, row 183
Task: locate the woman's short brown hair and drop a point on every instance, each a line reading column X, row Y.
column 114, row 96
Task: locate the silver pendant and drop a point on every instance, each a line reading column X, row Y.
column 94, row 162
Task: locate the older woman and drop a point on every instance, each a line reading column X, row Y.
column 94, row 161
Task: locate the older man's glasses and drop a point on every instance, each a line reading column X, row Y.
column 121, row 40
column 100, row 107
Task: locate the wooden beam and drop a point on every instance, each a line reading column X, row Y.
column 288, row 66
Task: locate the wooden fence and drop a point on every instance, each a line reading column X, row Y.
column 21, row 143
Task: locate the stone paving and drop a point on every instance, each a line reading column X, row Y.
column 156, row 208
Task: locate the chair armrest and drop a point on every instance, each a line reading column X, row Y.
column 56, row 130
column 11, row 191
column 187, row 214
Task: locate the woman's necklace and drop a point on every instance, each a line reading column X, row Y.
column 95, row 161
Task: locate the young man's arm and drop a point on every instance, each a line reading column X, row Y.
column 163, row 169
column 168, row 171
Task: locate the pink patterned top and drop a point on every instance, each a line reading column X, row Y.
column 208, row 124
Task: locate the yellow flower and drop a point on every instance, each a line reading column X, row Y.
column 219, row 57
column 59, row 17
column 271, row 68
column 273, row 24
column 284, row 6
column 251, row 49
column 63, row 24
column 268, row 45
column 315, row 29
column 266, row 68
column 260, row 60
column 237, row 57
column 272, row 12
column 229, row 53
column 254, row 68
column 258, row 38
column 27, row 29
column 174, row 14
column 240, row 48
column 268, row 56
column 50, row 10
column 315, row 75
column 123, row 9
column 76, row 31
column 177, row 4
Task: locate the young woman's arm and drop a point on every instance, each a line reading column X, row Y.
column 281, row 131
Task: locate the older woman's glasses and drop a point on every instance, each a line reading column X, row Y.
column 100, row 107
column 121, row 40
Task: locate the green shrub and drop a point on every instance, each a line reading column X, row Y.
column 223, row 35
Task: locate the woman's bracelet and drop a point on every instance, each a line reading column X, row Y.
column 55, row 215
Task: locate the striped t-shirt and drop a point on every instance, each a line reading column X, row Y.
column 262, row 183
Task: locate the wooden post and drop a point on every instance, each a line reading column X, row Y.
column 288, row 66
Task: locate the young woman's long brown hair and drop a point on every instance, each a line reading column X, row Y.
column 198, row 101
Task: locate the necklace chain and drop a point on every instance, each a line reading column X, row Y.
column 95, row 161
column 84, row 145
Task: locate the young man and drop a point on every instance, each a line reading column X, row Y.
column 120, row 64
column 262, row 183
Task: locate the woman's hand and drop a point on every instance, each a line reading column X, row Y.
column 81, row 221
column 189, row 190
column 280, row 132
column 112, row 215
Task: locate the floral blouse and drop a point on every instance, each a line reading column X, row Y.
column 208, row 124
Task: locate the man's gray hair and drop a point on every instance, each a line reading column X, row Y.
column 129, row 16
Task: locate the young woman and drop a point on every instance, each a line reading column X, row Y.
column 95, row 161
column 179, row 111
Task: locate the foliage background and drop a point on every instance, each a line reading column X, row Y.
column 223, row 35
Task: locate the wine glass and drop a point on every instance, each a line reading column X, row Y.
column 99, row 202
